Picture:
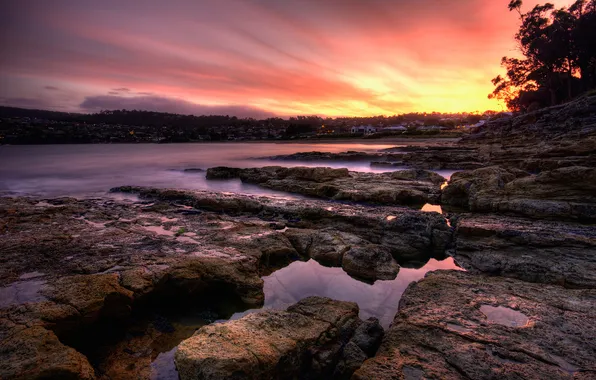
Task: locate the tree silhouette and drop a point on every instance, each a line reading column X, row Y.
column 559, row 56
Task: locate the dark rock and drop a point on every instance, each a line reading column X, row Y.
column 194, row 170
column 536, row 251
column 110, row 259
column 404, row 187
column 566, row 194
column 370, row 263
column 351, row 359
column 368, row 336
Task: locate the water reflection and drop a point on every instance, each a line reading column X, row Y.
column 303, row 279
column 431, row 208
column 164, row 367
column 504, row 316
column 21, row 292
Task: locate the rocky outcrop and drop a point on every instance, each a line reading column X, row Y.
column 572, row 121
column 530, row 250
column 108, row 259
column 546, row 139
column 566, row 193
column 409, row 187
column 315, row 338
column 456, row 325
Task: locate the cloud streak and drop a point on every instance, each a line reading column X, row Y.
column 334, row 57
column 163, row 104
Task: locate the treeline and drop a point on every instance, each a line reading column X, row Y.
column 292, row 126
column 136, row 117
column 559, row 56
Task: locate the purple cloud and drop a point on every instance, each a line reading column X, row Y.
column 163, row 104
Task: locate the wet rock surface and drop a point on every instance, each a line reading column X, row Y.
column 567, row 193
column 457, row 325
column 315, row 338
column 536, row 251
column 410, row 187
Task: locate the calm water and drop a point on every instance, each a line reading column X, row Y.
column 301, row 279
column 91, row 170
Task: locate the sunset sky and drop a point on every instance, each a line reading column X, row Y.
column 254, row 57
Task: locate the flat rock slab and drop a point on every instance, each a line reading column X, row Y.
column 305, row 341
column 562, row 253
column 566, row 193
column 457, row 325
column 407, row 187
column 315, row 226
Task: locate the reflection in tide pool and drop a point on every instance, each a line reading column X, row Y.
column 303, row 279
column 431, row 208
column 20, row 292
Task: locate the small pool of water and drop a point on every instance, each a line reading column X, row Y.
column 301, row 279
column 504, row 316
column 151, row 349
column 21, row 292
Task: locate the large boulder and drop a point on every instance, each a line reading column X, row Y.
column 370, row 263
column 307, row 340
column 464, row 188
column 358, row 258
column 456, row 325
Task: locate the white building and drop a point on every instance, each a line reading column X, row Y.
column 395, row 128
column 365, row 129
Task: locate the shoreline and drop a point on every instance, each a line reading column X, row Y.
column 381, row 141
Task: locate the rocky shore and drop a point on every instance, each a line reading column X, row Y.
column 546, row 139
column 406, row 187
column 95, row 288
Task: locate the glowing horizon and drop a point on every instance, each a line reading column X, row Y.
column 255, row 57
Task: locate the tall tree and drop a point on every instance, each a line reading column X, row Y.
column 558, row 48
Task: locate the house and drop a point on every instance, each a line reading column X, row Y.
column 364, row 129
column 395, row 128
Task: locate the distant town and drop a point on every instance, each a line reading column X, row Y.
column 25, row 126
